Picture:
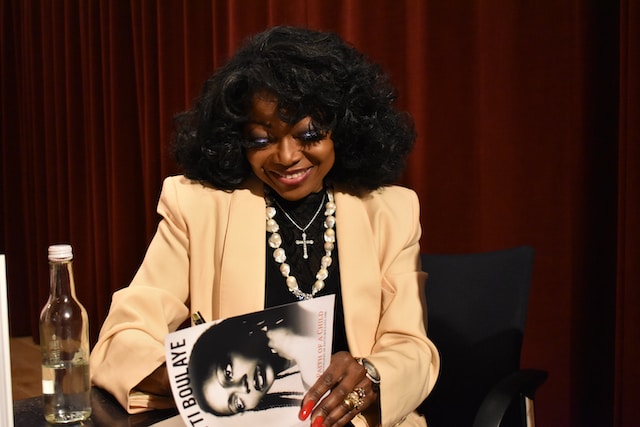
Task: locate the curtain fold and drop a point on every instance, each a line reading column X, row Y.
column 528, row 133
column 627, row 369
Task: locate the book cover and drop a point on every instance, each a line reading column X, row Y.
column 252, row 369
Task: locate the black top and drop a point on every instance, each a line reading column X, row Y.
column 277, row 292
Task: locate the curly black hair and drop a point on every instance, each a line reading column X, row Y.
column 312, row 74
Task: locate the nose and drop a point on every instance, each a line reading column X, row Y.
column 288, row 151
column 241, row 385
column 245, row 383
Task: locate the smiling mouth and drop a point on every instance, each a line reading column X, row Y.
column 259, row 378
column 292, row 177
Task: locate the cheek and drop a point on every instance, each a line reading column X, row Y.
column 329, row 152
column 271, row 376
column 327, row 158
column 255, row 159
column 332, row 158
column 323, row 154
column 215, row 396
column 253, row 400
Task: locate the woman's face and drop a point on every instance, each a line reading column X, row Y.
column 291, row 159
column 238, row 385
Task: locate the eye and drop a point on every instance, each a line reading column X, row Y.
column 311, row 135
column 228, row 372
column 238, row 404
column 257, row 141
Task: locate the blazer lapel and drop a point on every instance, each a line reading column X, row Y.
column 359, row 272
column 242, row 278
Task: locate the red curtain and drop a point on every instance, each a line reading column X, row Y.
column 527, row 115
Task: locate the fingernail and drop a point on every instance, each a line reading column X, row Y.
column 306, row 410
column 318, row 421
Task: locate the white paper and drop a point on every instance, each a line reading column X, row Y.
column 6, row 395
column 299, row 334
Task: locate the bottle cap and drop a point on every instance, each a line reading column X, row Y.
column 62, row 252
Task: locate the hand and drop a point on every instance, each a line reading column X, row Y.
column 343, row 376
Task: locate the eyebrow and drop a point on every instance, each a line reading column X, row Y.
column 256, row 122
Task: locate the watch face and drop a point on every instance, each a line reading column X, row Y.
column 371, row 371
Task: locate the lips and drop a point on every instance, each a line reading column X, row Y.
column 296, row 174
column 259, row 378
column 292, row 177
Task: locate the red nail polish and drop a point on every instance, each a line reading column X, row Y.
column 318, row 421
column 306, row 410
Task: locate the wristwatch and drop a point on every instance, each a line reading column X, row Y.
column 371, row 372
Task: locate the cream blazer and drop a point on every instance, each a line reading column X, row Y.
column 208, row 255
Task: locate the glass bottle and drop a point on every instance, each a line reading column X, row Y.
column 64, row 345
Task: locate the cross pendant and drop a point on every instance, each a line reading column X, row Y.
column 304, row 242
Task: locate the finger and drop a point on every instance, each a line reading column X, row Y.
column 342, row 368
column 315, row 393
column 353, row 403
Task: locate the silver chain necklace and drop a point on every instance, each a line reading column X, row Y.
column 279, row 255
column 304, row 242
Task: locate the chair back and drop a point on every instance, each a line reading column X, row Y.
column 476, row 308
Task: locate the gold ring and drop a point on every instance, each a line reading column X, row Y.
column 355, row 399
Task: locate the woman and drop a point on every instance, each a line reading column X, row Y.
column 234, row 363
column 300, row 128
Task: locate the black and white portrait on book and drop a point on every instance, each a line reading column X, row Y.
column 253, row 368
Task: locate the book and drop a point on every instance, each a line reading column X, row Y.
column 252, row 369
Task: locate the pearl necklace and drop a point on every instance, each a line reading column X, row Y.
column 279, row 255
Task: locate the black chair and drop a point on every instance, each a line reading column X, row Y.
column 477, row 305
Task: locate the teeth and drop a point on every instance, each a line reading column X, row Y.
column 293, row 176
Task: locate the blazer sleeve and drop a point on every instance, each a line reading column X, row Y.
column 408, row 362
column 131, row 342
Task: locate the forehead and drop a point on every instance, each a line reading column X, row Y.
column 263, row 104
column 216, row 395
column 266, row 105
column 264, row 96
column 266, row 110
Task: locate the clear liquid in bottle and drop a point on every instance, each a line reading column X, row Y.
column 64, row 344
column 66, row 391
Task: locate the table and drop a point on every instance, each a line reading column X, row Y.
column 106, row 412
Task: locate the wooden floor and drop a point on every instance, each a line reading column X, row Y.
column 25, row 368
